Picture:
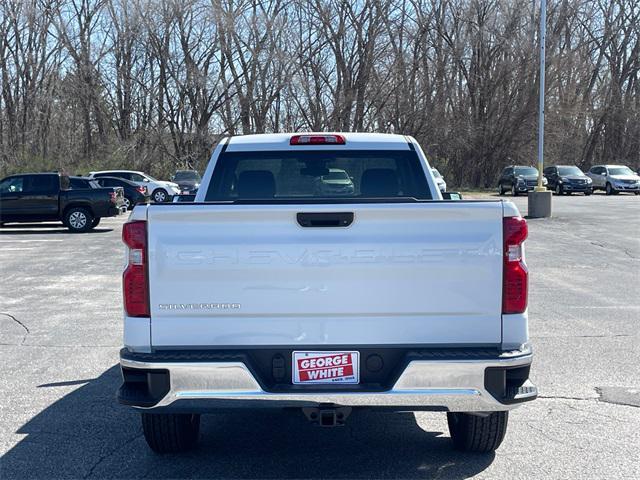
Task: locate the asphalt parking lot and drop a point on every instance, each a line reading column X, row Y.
column 60, row 332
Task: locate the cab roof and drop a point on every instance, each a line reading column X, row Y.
column 117, row 170
column 353, row 141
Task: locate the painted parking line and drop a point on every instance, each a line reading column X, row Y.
column 33, row 240
column 605, row 307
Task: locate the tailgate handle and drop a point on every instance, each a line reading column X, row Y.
column 325, row 219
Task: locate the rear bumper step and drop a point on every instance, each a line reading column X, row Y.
column 464, row 384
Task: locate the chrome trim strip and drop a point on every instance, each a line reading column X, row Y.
column 457, row 385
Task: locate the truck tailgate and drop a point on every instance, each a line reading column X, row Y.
column 402, row 274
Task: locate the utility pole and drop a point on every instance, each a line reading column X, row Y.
column 543, row 39
column 540, row 198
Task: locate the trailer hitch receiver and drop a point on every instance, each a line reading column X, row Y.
column 327, row 416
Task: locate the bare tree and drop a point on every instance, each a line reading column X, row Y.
column 154, row 83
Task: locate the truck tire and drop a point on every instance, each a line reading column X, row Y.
column 78, row 220
column 472, row 433
column 160, row 195
column 170, row 432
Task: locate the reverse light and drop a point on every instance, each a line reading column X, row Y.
column 317, row 140
column 135, row 281
column 515, row 276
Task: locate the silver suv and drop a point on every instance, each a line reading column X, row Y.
column 442, row 185
column 614, row 179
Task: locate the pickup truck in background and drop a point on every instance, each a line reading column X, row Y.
column 268, row 292
column 45, row 197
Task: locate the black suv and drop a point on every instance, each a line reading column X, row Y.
column 518, row 179
column 566, row 179
column 187, row 180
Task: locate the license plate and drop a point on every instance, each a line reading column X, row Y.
column 326, row 367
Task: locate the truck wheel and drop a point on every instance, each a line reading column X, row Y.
column 160, row 195
column 514, row 192
column 78, row 220
column 170, row 432
column 500, row 190
column 128, row 203
column 472, row 433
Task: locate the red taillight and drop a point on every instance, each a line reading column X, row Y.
column 317, row 140
column 135, row 283
column 515, row 276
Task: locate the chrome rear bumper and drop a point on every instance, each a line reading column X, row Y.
column 453, row 385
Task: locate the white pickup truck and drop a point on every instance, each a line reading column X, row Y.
column 325, row 272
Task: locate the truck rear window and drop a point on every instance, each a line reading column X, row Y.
column 326, row 174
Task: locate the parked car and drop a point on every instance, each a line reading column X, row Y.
column 334, row 182
column 269, row 294
column 614, row 179
column 442, row 185
column 518, row 179
column 190, row 197
column 566, row 179
column 161, row 191
column 188, row 181
column 133, row 193
column 78, row 183
column 42, row 197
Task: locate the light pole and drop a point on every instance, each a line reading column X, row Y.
column 543, row 40
column 540, row 198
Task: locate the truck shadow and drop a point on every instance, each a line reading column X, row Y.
column 86, row 434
